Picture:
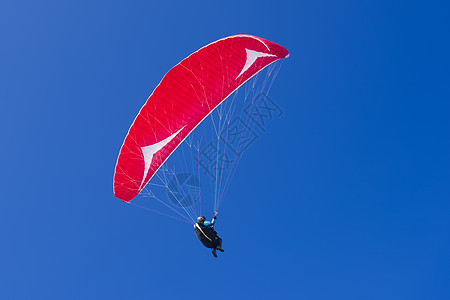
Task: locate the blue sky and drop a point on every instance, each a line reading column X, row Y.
column 346, row 196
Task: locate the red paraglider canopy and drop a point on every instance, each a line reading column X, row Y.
column 184, row 97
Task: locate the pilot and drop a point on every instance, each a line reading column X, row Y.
column 207, row 235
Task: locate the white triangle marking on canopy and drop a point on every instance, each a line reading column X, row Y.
column 150, row 150
column 252, row 56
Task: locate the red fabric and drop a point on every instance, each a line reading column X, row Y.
column 184, row 97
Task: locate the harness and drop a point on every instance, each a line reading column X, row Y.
column 196, row 225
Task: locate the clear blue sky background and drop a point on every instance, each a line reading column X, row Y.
column 345, row 197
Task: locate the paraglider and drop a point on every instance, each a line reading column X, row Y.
column 184, row 98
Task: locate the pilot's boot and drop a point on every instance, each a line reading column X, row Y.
column 220, row 248
column 214, row 252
